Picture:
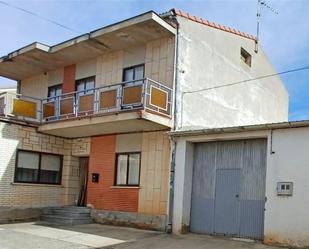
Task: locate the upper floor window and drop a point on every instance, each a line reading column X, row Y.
column 54, row 91
column 128, row 169
column 245, row 56
column 133, row 73
column 85, row 86
column 38, row 167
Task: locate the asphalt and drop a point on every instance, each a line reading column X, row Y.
column 33, row 236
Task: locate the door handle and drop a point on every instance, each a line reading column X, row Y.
column 237, row 196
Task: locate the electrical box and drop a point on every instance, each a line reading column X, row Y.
column 285, row 188
column 95, row 177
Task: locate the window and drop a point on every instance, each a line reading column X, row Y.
column 245, row 56
column 54, row 91
column 133, row 73
column 85, row 86
column 37, row 167
column 127, row 169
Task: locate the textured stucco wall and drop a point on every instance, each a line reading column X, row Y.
column 25, row 195
column 287, row 218
column 209, row 58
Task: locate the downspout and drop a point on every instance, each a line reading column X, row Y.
column 169, row 226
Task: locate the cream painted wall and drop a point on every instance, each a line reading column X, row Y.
column 55, row 77
column 159, row 63
column 86, row 69
column 35, row 86
column 109, row 69
column 209, row 58
column 154, row 176
column 129, row 142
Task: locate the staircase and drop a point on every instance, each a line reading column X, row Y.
column 68, row 215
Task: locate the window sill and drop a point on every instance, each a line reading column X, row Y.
column 130, row 187
column 36, row 184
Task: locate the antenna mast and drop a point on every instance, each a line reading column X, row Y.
column 260, row 4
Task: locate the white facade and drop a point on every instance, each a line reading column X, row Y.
column 210, row 57
column 286, row 217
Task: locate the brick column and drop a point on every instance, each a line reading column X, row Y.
column 69, row 79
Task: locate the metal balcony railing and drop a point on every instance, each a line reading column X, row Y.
column 144, row 94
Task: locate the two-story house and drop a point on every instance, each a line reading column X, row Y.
column 89, row 123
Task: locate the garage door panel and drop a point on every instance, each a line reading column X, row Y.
column 254, row 170
column 204, row 173
column 210, row 215
column 202, row 218
column 230, row 155
column 252, row 219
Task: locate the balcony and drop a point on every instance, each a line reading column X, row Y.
column 139, row 105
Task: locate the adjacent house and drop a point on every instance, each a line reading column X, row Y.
column 89, row 125
column 246, row 181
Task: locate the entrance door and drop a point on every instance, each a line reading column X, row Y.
column 83, row 178
column 227, row 202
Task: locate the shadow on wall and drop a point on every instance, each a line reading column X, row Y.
column 8, row 144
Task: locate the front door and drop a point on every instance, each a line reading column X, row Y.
column 227, row 202
column 83, row 178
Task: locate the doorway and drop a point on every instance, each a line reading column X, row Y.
column 83, row 180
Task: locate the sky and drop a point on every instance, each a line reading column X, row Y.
column 284, row 36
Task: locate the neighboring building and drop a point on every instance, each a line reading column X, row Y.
column 249, row 181
column 99, row 107
column 8, row 90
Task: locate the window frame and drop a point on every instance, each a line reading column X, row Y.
column 39, row 168
column 58, row 86
column 133, row 67
column 85, row 81
column 128, row 167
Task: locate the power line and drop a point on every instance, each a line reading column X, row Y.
column 244, row 81
column 41, row 17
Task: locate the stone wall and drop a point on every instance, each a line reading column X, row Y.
column 13, row 137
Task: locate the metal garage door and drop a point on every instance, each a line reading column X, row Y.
column 228, row 190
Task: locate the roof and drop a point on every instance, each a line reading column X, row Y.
column 38, row 58
column 212, row 24
column 235, row 129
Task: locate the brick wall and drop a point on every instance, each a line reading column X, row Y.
column 12, row 194
column 69, row 79
column 103, row 195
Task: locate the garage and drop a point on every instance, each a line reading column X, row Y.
column 228, row 188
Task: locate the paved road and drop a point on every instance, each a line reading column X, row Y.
column 32, row 236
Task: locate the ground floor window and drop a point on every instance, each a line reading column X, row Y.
column 127, row 169
column 38, row 167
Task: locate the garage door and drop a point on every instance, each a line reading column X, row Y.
column 228, row 188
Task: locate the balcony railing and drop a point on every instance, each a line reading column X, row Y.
column 144, row 94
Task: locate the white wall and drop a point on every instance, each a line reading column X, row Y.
column 210, row 57
column 287, row 218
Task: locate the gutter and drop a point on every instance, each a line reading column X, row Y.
column 169, row 227
column 235, row 129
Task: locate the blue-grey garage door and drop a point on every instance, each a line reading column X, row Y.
column 228, row 188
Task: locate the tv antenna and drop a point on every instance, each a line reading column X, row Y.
column 260, row 5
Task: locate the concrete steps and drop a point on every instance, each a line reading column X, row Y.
column 68, row 215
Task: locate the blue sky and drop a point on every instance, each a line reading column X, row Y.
column 284, row 37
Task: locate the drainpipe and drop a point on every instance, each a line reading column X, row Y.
column 172, row 16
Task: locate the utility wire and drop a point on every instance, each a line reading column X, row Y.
column 244, row 81
column 41, row 17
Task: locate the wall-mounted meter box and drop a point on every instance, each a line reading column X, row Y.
column 285, row 188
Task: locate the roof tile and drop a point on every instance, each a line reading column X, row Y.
column 213, row 25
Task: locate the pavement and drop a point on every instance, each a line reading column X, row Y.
column 90, row 236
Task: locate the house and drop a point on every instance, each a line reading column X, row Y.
column 90, row 123
column 247, row 181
